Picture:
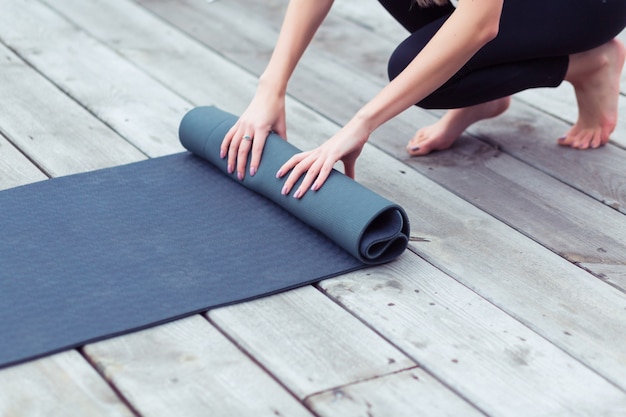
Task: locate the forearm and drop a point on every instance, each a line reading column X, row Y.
column 467, row 30
column 302, row 19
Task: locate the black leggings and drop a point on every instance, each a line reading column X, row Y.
column 531, row 50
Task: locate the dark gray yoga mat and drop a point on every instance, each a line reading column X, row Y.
column 370, row 227
column 94, row 255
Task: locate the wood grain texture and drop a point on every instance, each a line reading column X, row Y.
column 613, row 274
column 308, row 342
column 405, row 394
column 185, row 66
column 318, row 76
column 125, row 98
column 63, row 385
column 137, row 66
column 563, row 219
column 187, row 368
column 488, row 357
column 511, row 270
column 598, row 173
column 556, row 299
column 56, row 132
column 16, row 169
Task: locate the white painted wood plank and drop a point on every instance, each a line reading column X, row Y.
column 405, row 394
column 493, row 361
column 116, row 91
column 187, row 368
column 63, row 385
column 613, row 274
column 372, row 16
column 57, row 133
column 206, row 79
column 161, row 51
column 307, row 341
column 318, row 74
column 15, row 168
column 523, row 134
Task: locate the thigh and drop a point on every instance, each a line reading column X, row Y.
column 532, row 29
column 413, row 17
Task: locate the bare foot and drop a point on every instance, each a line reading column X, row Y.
column 595, row 75
column 446, row 130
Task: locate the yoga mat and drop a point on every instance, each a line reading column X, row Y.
column 370, row 227
column 94, row 255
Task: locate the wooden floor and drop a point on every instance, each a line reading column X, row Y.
column 510, row 302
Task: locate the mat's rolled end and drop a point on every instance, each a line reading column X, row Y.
column 370, row 227
column 386, row 236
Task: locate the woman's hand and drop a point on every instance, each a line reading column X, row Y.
column 317, row 164
column 265, row 113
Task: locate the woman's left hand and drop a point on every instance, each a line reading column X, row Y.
column 317, row 164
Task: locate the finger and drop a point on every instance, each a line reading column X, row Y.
column 323, row 175
column 227, row 140
column 242, row 155
column 297, row 171
column 257, row 150
column 233, row 150
column 310, row 177
column 291, row 162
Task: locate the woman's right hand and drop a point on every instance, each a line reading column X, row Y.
column 265, row 114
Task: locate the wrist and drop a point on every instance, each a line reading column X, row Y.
column 270, row 84
column 364, row 121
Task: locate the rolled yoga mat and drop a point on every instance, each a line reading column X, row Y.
column 94, row 255
column 368, row 226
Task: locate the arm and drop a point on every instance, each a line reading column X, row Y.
column 472, row 25
column 266, row 111
column 469, row 28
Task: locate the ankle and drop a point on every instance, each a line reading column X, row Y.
column 584, row 65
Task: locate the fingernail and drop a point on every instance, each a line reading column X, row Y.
column 561, row 139
column 252, row 171
column 240, row 176
column 279, row 174
column 296, row 194
column 314, row 186
column 284, row 190
column 415, row 148
column 222, row 154
column 229, row 168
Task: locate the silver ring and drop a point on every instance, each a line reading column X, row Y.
column 247, row 137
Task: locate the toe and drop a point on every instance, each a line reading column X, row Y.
column 416, row 144
column 565, row 141
column 596, row 141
